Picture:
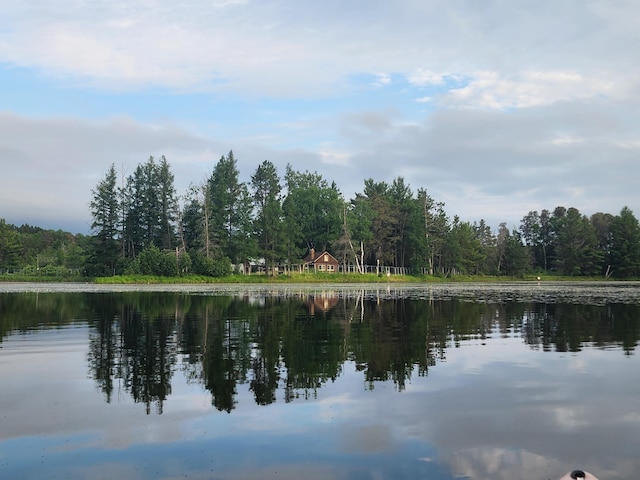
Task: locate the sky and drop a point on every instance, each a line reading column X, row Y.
column 495, row 107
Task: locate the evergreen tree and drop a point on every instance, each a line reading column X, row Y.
column 575, row 243
column 268, row 224
column 382, row 245
column 409, row 227
column 436, row 229
column 10, row 249
column 150, row 207
column 516, row 258
column 168, row 205
column 601, row 223
column 192, row 219
column 105, row 208
column 462, row 251
column 231, row 209
column 490, row 248
column 625, row 245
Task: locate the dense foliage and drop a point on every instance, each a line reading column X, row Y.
column 268, row 224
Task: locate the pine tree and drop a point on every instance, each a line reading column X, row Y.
column 105, row 208
column 625, row 244
column 231, row 208
column 267, row 198
column 150, row 208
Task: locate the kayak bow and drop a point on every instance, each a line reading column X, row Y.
column 578, row 475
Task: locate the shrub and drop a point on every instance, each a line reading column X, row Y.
column 152, row 261
column 212, row 267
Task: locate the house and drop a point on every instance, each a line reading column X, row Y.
column 322, row 262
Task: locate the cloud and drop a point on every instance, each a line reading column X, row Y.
column 277, row 48
column 423, row 77
column 50, row 165
column 498, row 165
column 382, row 79
column 496, row 109
column 528, row 89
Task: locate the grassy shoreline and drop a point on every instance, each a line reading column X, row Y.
column 337, row 278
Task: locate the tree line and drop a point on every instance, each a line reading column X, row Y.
column 31, row 251
column 141, row 225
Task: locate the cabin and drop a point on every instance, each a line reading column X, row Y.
column 322, row 262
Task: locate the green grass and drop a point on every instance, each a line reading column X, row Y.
column 337, row 278
column 19, row 278
column 259, row 279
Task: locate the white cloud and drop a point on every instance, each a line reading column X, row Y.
column 529, row 106
column 527, row 89
column 279, row 48
column 330, row 157
column 382, row 79
column 423, row 77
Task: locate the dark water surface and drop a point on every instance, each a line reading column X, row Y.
column 443, row 382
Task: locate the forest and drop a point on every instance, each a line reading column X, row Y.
column 221, row 226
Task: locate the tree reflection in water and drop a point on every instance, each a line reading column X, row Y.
column 288, row 346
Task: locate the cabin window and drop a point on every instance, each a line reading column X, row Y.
column 330, row 268
column 326, row 257
column 320, row 267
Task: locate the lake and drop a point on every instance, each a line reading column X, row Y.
column 439, row 382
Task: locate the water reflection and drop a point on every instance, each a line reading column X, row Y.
column 288, row 346
column 318, row 384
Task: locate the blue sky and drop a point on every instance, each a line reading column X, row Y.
column 496, row 108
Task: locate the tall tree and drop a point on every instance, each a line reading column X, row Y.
column 267, row 198
column 10, row 249
column 231, row 209
column 357, row 220
column 105, row 209
column 168, row 205
column 312, row 210
column 602, row 225
column 502, row 240
column 490, row 247
column 409, row 227
column 462, row 252
column 382, row 244
column 515, row 261
column 192, row 218
column 150, row 206
column 625, row 244
column 435, row 229
column 537, row 234
column 575, row 243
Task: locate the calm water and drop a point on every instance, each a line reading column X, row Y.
column 475, row 381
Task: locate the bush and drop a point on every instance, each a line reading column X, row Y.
column 152, row 261
column 184, row 264
column 211, row 267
